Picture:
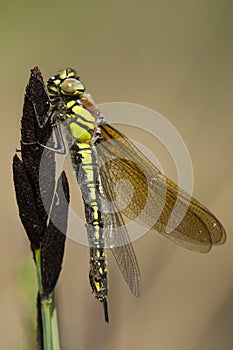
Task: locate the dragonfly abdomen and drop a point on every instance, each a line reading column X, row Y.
column 84, row 160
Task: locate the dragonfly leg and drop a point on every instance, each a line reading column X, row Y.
column 60, row 149
column 48, row 115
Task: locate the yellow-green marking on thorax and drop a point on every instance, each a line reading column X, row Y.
column 83, row 125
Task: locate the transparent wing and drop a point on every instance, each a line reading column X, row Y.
column 150, row 198
column 118, row 241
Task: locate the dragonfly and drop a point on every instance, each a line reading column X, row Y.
column 102, row 156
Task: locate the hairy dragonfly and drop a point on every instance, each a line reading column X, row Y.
column 102, row 157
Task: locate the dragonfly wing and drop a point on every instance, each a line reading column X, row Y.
column 117, row 239
column 142, row 193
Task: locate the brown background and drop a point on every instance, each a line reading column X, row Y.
column 177, row 58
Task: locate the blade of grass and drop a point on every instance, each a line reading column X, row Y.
column 45, row 305
column 37, row 253
column 46, row 320
column 54, row 325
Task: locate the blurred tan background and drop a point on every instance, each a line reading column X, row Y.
column 177, row 58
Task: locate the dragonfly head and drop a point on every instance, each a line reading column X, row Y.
column 66, row 82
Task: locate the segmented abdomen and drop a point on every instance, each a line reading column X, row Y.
column 84, row 160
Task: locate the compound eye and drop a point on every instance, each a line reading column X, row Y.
column 71, row 86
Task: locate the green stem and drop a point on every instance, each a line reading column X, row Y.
column 54, row 325
column 46, row 321
column 46, row 304
column 38, row 269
